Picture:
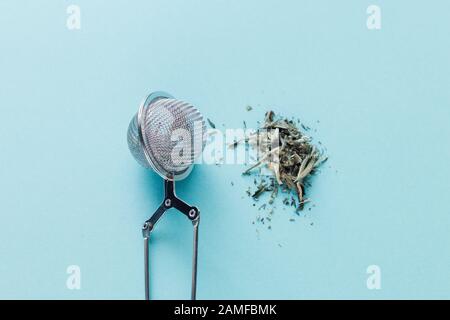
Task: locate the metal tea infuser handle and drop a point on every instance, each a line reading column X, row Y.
column 193, row 214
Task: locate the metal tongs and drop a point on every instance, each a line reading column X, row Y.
column 193, row 214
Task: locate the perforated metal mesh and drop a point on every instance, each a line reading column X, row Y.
column 135, row 144
column 171, row 137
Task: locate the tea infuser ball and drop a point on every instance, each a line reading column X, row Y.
column 151, row 135
column 168, row 135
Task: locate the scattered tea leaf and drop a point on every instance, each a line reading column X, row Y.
column 211, row 124
column 259, row 191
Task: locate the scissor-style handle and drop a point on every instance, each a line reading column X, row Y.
column 193, row 214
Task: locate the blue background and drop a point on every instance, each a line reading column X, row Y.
column 71, row 194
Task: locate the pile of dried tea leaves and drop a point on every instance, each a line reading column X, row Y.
column 290, row 157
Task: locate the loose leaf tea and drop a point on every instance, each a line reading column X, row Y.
column 289, row 155
column 211, row 124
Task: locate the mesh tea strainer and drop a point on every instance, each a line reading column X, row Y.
column 168, row 135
